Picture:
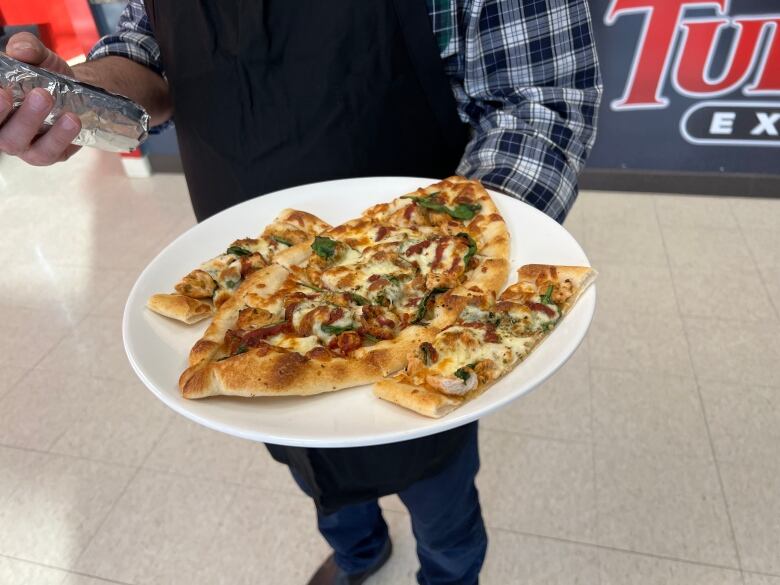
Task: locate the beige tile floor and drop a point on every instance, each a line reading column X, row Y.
column 651, row 458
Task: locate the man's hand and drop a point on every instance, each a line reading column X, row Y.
column 19, row 130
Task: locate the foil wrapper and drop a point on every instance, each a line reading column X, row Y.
column 108, row 121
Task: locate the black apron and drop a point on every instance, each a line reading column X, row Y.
column 270, row 94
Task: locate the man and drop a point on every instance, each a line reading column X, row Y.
column 272, row 94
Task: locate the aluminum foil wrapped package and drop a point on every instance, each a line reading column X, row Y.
column 108, row 121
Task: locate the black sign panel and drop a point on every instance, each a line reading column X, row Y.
column 690, row 85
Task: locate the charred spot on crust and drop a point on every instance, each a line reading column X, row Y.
column 298, row 217
column 203, row 346
column 287, row 369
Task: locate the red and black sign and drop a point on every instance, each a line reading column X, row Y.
column 690, row 85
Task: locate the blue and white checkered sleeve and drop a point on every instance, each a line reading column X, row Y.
column 133, row 39
column 531, row 91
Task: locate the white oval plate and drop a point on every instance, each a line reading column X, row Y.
column 158, row 347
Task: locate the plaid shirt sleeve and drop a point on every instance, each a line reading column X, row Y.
column 133, row 39
column 526, row 79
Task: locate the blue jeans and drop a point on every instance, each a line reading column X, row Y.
column 446, row 521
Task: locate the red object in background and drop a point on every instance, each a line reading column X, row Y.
column 66, row 26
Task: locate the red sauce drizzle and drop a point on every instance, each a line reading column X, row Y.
column 381, row 233
column 418, row 248
column 439, row 253
column 541, row 308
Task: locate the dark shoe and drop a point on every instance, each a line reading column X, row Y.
column 330, row 573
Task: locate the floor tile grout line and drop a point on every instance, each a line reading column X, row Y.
column 706, row 421
column 103, row 521
column 586, row 223
column 596, row 515
column 113, row 506
column 691, row 377
column 67, row 571
column 142, row 466
column 89, row 575
column 755, row 262
column 622, row 550
column 64, row 336
column 225, row 513
column 68, row 455
column 537, row 436
column 93, row 311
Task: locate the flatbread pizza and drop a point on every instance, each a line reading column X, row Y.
column 347, row 309
column 215, row 281
column 486, row 341
column 405, row 297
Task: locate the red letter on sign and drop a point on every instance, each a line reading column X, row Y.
column 698, row 48
column 769, row 73
column 652, row 57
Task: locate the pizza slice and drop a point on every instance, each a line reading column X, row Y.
column 278, row 336
column 215, row 281
column 486, row 341
column 402, row 254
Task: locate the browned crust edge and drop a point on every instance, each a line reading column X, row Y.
column 420, row 400
column 180, row 307
column 275, row 374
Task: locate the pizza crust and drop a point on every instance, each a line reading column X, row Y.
column 424, row 401
column 581, row 278
column 420, row 400
column 179, row 307
column 275, row 374
column 300, row 220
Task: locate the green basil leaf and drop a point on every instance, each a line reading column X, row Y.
column 546, row 298
column 334, row 330
column 359, row 300
column 472, row 247
column 463, row 374
column 312, row 287
column 241, row 349
column 383, row 300
column 433, row 205
column 231, row 284
column 370, row 339
column 464, row 211
column 238, row 251
column 430, row 201
column 422, row 308
column 281, row 241
column 324, row 247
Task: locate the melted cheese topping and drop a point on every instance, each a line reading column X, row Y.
column 299, row 344
column 347, row 320
column 460, row 346
column 471, row 313
column 225, row 270
column 360, row 275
